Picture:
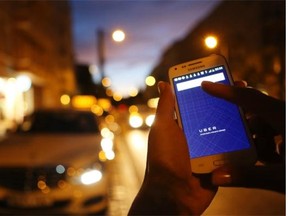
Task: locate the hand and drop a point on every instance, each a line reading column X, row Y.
column 169, row 187
column 269, row 109
column 266, row 119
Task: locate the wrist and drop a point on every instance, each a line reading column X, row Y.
column 153, row 199
column 163, row 197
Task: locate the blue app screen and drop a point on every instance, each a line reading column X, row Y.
column 211, row 125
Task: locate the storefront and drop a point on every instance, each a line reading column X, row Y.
column 16, row 100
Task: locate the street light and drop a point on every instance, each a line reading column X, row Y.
column 211, row 42
column 117, row 36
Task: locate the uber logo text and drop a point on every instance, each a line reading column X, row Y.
column 203, row 130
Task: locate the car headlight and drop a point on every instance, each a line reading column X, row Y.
column 135, row 120
column 90, row 177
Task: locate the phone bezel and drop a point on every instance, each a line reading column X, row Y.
column 207, row 164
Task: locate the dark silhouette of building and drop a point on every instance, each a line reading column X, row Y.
column 251, row 34
column 84, row 80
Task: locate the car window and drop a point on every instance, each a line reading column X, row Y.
column 62, row 122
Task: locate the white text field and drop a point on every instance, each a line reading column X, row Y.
column 197, row 82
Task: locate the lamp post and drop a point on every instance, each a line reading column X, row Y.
column 100, row 51
column 117, row 36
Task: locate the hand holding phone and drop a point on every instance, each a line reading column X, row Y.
column 215, row 129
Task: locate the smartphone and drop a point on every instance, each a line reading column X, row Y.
column 215, row 129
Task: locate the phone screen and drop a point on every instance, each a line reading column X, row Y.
column 211, row 125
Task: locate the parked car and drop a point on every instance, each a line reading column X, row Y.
column 54, row 165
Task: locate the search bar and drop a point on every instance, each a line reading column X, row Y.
column 197, row 82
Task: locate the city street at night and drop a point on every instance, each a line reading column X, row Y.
column 80, row 85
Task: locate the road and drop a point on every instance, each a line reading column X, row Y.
column 128, row 171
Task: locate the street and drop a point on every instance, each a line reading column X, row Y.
column 128, row 171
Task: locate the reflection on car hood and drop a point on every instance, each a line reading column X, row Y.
column 43, row 149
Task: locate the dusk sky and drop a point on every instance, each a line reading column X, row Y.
column 150, row 27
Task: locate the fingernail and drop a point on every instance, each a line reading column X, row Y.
column 161, row 86
column 206, row 83
column 245, row 83
column 221, row 178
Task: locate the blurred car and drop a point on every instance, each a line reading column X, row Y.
column 54, row 165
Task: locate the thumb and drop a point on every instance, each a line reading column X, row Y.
column 165, row 109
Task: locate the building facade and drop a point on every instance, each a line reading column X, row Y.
column 36, row 56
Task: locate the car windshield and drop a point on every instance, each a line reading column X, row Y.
column 60, row 122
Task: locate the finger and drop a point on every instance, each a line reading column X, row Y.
column 235, row 94
column 241, row 83
column 165, row 109
column 263, row 177
column 252, row 100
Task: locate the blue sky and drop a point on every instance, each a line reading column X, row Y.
column 150, row 27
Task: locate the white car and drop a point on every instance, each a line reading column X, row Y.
column 55, row 165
